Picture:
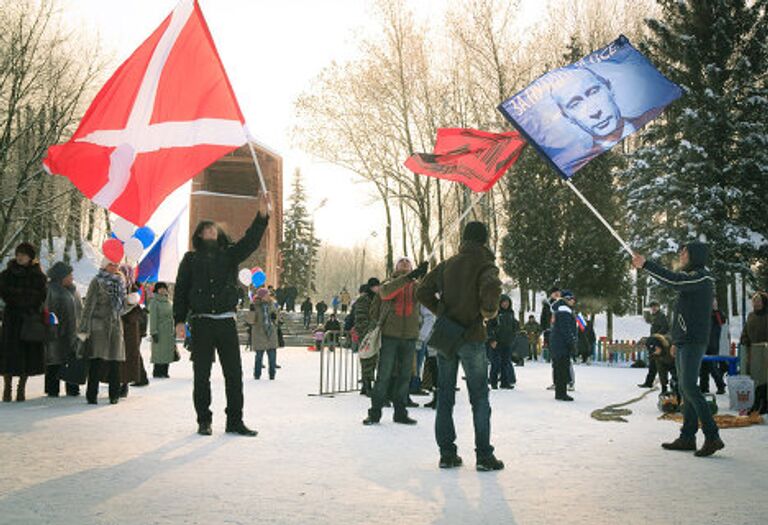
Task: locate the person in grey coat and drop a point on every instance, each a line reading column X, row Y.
column 65, row 304
column 101, row 329
column 161, row 328
column 263, row 322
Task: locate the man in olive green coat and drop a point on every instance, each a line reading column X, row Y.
column 395, row 305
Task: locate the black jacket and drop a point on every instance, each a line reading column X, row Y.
column 207, row 279
column 659, row 323
column 504, row 327
column 564, row 335
column 695, row 286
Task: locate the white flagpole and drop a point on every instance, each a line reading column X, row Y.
column 262, row 183
column 602, row 219
column 475, row 199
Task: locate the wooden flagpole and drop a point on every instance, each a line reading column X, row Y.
column 601, row 218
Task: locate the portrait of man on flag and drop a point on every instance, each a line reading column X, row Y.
column 575, row 113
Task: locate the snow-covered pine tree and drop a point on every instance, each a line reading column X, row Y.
column 701, row 167
column 299, row 246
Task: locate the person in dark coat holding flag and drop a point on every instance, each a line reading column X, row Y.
column 690, row 335
column 562, row 343
column 206, row 295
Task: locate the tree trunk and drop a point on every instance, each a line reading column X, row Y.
column 609, row 324
column 734, row 299
column 91, row 221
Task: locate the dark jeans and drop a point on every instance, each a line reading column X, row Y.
column 665, row 373
column 652, row 369
column 394, row 375
column 713, row 369
column 307, row 320
column 695, row 408
column 561, row 372
column 502, row 367
column 259, row 363
column 160, row 370
column 321, row 318
column 475, row 365
column 209, row 336
column 52, row 383
column 94, row 374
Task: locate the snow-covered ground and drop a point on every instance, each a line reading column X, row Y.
column 64, row 462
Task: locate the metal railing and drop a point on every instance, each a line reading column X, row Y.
column 339, row 365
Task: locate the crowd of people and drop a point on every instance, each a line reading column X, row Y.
column 422, row 323
column 48, row 329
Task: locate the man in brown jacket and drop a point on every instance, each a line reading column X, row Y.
column 396, row 309
column 466, row 289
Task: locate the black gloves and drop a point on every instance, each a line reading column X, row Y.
column 419, row 272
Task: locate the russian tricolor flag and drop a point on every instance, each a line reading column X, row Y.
column 581, row 322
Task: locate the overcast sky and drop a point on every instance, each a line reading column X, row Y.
column 271, row 50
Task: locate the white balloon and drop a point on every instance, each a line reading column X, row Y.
column 123, row 229
column 245, row 276
column 133, row 249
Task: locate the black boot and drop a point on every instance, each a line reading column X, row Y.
column 759, row 406
column 240, row 429
column 451, row 461
column 710, row 446
column 374, row 416
column 124, row 390
column 489, row 464
column 432, row 404
column 686, row 445
column 204, row 429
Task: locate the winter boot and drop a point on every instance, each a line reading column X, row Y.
column 710, row 446
column 374, row 416
column 21, row 390
column 204, row 429
column 7, row 389
column 240, row 429
column 686, row 445
column 403, row 419
column 432, row 404
column 124, row 390
column 489, row 464
column 452, row 461
column 411, row 403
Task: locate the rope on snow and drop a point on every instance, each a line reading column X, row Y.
column 615, row 412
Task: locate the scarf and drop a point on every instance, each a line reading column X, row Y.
column 265, row 318
column 115, row 288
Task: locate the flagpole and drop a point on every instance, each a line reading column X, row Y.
column 475, row 199
column 262, row 183
column 601, row 218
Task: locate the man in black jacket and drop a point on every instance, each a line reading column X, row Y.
column 562, row 343
column 206, row 296
column 659, row 325
column 690, row 335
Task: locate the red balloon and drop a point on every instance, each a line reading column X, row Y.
column 255, row 270
column 113, row 250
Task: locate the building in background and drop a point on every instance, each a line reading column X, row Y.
column 227, row 192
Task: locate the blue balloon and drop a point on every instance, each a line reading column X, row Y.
column 145, row 235
column 258, row 279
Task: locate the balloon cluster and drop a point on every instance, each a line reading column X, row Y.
column 127, row 241
column 255, row 277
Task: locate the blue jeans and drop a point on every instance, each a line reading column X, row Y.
column 421, row 355
column 475, row 364
column 695, row 408
column 259, row 363
column 393, row 374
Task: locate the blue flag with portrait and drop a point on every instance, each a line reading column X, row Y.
column 573, row 114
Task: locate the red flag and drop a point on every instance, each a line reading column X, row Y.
column 165, row 115
column 475, row 158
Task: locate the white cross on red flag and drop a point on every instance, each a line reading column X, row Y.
column 166, row 114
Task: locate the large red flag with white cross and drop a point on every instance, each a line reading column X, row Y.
column 166, row 114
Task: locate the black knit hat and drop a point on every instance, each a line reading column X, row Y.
column 59, row 271
column 476, row 231
column 373, row 281
column 27, row 249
